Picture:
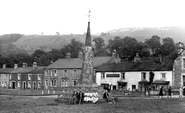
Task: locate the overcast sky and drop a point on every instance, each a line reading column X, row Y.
column 69, row 16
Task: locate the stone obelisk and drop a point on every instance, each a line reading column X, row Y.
column 87, row 75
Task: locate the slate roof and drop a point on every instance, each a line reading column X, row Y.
column 22, row 70
column 77, row 63
column 37, row 70
column 126, row 66
column 5, row 70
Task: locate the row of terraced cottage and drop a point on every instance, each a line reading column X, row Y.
column 112, row 71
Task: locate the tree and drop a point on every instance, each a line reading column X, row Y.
column 37, row 55
column 154, row 44
column 115, row 44
column 143, row 49
column 168, row 46
column 100, row 49
column 129, row 46
column 73, row 48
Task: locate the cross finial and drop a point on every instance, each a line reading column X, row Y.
column 89, row 15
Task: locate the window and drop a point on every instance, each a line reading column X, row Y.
column 122, row 75
column 183, row 62
column 102, row 75
column 74, row 82
column 29, row 84
column 10, row 76
column 183, row 77
column 46, row 82
column 29, row 76
column 113, row 75
column 19, row 76
column 75, row 73
column 54, row 83
column 54, row 72
column 5, row 76
column 39, row 84
column 64, row 83
column 143, row 76
column 46, row 72
column 18, row 84
column 163, row 75
column 39, row 77
column 65, row 72
column 5, row 84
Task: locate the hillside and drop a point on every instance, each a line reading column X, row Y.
column 47, row 42
column 177, row 33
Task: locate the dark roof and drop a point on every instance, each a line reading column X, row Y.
column 161, row 82
column 77, row 63
column 143, row 82
column 144, row 65
column 37, row 70
column 26, row 70
column 22, row 70
column 5, row 70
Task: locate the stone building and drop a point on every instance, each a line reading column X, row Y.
column 4, row 76
column 179, row 67
column 67, row 72
column 135, row 75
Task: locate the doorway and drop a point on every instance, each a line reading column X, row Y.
column 34, row 85
column 133, row 87
column 24, row 85
column 13, row 85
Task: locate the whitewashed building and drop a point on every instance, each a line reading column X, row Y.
column 135, row 75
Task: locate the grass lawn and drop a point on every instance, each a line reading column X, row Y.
column 10, row 104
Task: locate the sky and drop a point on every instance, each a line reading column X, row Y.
column 70, row 16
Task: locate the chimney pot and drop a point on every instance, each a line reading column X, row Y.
column 15, row 66
column 24, row 65
column 180, row 47
column 34, row 64
column 114, row 53
column 80, row 55
column 137, row 58
column 68, row 56
column 4, row 66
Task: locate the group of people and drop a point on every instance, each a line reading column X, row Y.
column 81, row 97
column 161, row 91
column 77, row 97
column 181, row 92
column 108, row 98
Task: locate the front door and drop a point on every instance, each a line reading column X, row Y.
column 13, row 85
column 34, row 85
column 24, row 85
column 133, row 87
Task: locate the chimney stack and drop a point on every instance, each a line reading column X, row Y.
column 137, row 58
column 24, row 65
column 4, row 66
column 80, row 55
column 180, row 47
column 34, row 64
column 114, row 53
column 15, row 66
column 68, row 56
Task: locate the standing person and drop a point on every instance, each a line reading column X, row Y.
column 161, row 92
column 106, row 96
column 81, row 97
column 180, row 92
column 169, row 92
column 74, row 97
column 77, row 97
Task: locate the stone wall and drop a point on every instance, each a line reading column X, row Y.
column 177, row 69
